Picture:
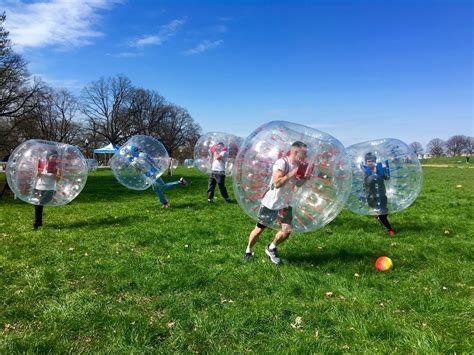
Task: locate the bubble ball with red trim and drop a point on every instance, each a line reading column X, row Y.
column 140, row 162
column 317, row 192
column 386, row 177
column 212, row 143
column 46, row 173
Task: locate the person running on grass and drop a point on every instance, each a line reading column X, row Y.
column 218, row 161
column 375, row 175
column 275, row 205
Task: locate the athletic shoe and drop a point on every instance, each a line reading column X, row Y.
column 391, row 232
column 273, row 255
column 228, row 200
column 210, row 201
column 165, row 205
column 182, row 181
column 247, row 256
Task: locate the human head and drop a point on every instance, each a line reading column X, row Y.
column 298, row 150
column 52, row 154
column 370, row 158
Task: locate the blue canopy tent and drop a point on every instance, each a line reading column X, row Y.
column 108, row 149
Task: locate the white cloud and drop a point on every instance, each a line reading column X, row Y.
column 165, row 33
column 63, row 23
column 125, row 54
column 204, row 46
column 70, row 84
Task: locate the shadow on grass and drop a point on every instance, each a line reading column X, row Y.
column 102, row 222
column 342, row 255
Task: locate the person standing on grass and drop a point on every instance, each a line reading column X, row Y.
column 47, row 175
column 287, row 171
column 159, row 186
column 374, row 186
column 219, row 156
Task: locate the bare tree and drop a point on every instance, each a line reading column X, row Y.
column 147, row 111
column 470, row 146
column 436, row 147
column 457, row 144
column 416, row 147
column 16, row 90
column 178, row 129
column 106, row 103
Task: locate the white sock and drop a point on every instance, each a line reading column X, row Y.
column 248, row 250
column 272, row 246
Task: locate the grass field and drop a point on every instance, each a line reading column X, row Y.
column 454, row 161
column 113, row 272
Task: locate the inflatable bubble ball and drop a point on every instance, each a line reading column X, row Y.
column 139, row 162
column 214, row 144
column 315, row 194
column 189, row 163
column 386, row 177
column 92, row 165
column 46, row 173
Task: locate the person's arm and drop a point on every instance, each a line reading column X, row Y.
column 279, row 178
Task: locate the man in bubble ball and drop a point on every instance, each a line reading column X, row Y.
column 47, row 175
column 141, row 161
column 159, row 186
column 374, row 187
column 275, row 205
column 219, row 156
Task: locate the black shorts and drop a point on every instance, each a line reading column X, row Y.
column 266, row 216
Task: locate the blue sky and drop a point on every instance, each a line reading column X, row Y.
column 359, row 70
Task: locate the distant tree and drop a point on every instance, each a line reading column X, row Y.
column 457, row 144
column 147, row 111
column 436, row 147
column 106, row 104
column 16, row 90
column 416, row 147
column 178, row 129
column 470, row 146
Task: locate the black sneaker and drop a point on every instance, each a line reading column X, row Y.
column 273, row 255
column 247, row 256
column 228, row 200
column 210, row 201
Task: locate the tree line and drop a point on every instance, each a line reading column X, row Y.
column 454, row 146
column 107, row 110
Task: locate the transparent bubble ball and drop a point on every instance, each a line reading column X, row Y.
column 46, row 173
column 315, row 201
column 139, row 162
column 212, row 142
column 189, row 163
column 386, row 177
column 92, row 164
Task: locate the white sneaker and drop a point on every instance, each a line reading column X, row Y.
column 273, row 255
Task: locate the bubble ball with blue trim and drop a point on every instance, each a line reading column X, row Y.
column 140, row 162
column 386, row 177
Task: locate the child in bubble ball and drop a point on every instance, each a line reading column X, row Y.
column 47, row 175
column 374, row 186
column 287, row 170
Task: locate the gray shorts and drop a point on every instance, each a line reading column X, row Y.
column 266, row 216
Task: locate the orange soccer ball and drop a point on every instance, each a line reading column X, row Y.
column 384, row 263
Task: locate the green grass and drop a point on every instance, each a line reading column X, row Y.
column 455, row 161
column 113, row 272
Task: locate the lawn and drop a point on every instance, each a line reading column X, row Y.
column 113, row 272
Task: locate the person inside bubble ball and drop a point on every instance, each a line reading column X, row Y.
column 159, row 186
column 288, row 171
column 141, row 161
column 374, row 187
column 219, row 156
column 47, row 175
